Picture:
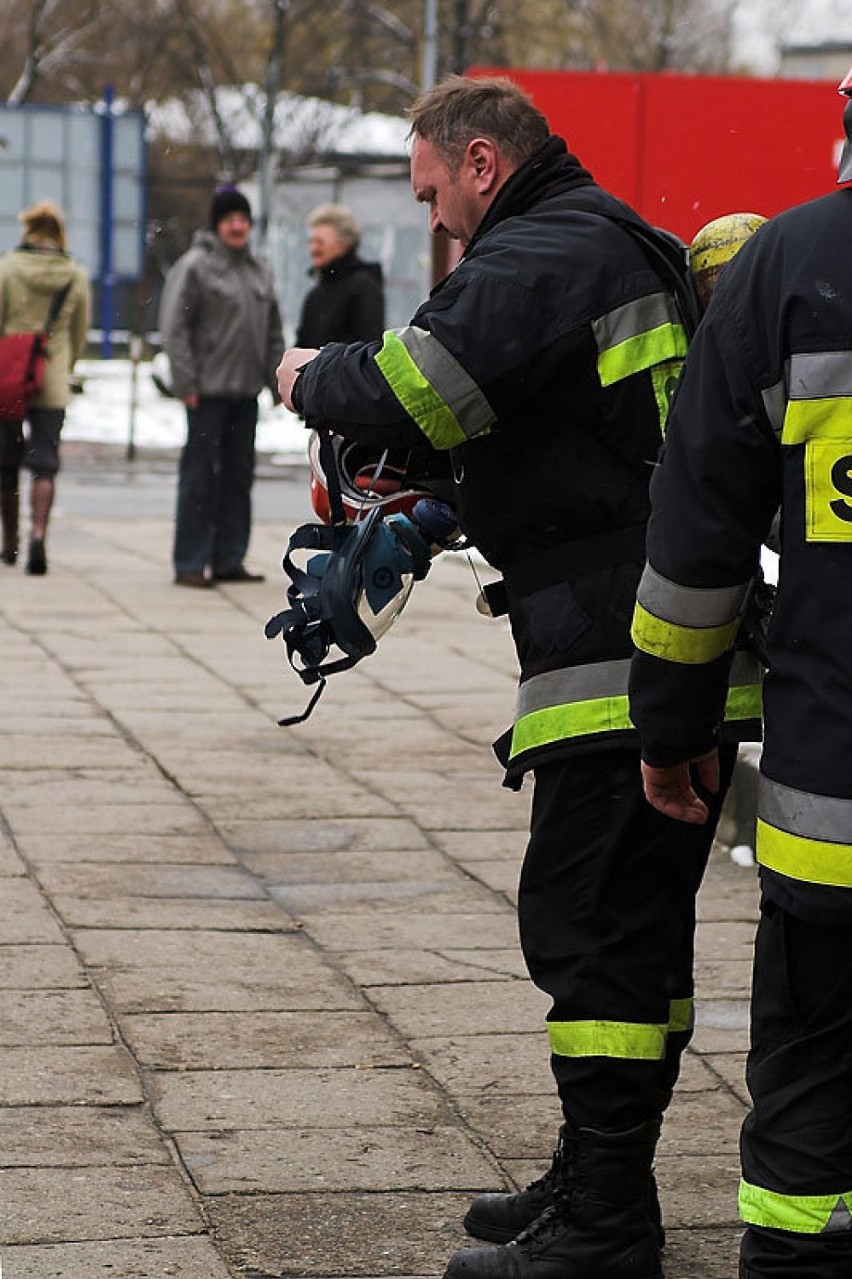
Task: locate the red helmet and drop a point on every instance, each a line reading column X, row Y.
column 369, row 477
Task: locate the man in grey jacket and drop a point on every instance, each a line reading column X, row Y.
column 221, row 328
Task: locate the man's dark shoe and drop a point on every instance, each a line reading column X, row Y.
column 501, row 1217
column 239, row 575
column 195, row 579
column 597, row 1226
column 37, row 560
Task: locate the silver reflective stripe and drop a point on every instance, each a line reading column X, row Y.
column 689, row 605
column 634, row 318
column 452, row 383
column 577, row 684
column 820, row 375
column 801, row 813
column 775, row 403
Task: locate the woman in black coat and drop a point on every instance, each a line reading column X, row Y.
column 346, row 303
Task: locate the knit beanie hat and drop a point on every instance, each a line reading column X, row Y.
column 228, row 200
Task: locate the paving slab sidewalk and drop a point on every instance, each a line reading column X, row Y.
column 262, row 1010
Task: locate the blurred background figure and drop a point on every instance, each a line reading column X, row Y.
column 346, row 303
column 31, row 277
column 221, row 329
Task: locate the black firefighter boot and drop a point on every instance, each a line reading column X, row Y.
column 500, row 1217
column 598, row 1225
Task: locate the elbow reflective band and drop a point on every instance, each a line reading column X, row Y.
column 637, row 336
column 685, row 623
column 585, row 700
column 820, row 397
column 804, row 836
column 433, row 388
column 626, row 1039
column 805, row 1214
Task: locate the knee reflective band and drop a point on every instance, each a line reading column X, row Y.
column 681, row 1015
column 633, row 1041
column 804, row 1214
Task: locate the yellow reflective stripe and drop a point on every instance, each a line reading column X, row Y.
column 687, row 644
column 680, row 1014
column 664, row 381
column 805, row 1214
column 573, row 719
column 417, row 396
column 632, row 1040
column 642, row 351
column 816, row 861
column 744, row 701
column 829, row 418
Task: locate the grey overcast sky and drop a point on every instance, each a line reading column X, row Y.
column 761, row 25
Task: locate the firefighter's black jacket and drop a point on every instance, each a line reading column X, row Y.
column 544, row 364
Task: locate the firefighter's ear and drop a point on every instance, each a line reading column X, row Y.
column 485, row 164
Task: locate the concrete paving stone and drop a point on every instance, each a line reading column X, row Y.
column 697, row 1074
column 300, row 1099
column 67, row 750
column 160, row 971
column 103, row 880
column 189, row 1257
column 335, row 801
column 30, row 966
column 505, row 1065
column 43, row 1017
column 485, row 930
column 240, row 770
column 373, row 1158
column 11, row 863
column 333, row 1236
column 500, row 876
column 191, row 850
column 701, row 1125
column 175, row 698
column 721, row 1026
column 153, row 914
column 94, row 1203
column 60, row 1075
column 719, row 979
column 463, row 811
column 89, row 722
column 702, row 1253
column 211, row 726
column 77, row 1136
column 376, row 865
column 357, row 834
column 730, row 1069
column 698, row 1192
column 514, row 1128
column 25, row 916
column 726, row 939
column 463, row 1008
column 219, row 1041
column 375, row 896
column 369, row 968
column 67, row 791
column 103, row 819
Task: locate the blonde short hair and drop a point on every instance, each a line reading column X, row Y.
column 342, row 219
column 44, row 225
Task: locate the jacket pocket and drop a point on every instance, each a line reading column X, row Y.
column 549, row 621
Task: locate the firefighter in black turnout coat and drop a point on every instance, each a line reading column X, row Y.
column 762, row 419
column 543, row 364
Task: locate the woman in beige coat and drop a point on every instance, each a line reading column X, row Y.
column 30, row 277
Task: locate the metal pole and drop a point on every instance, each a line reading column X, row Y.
column 429, row 69
column 135, row 357
column 107, row 221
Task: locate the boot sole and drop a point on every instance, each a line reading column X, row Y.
column 492, row 1234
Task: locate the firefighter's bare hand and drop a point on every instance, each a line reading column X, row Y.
column 670, row 789
column 292, row 363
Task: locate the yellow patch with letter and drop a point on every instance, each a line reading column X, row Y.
column 828, row 490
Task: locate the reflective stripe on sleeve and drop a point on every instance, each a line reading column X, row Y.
column 820, row 396
column 690, row 606
column 687, row 645
column 433, row 388
column 804, row 1214
column 637, row 336
column 634, row 1041
column 803, row 835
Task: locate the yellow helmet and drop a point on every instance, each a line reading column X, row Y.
column 714, row 246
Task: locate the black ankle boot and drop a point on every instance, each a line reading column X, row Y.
column 500, row 1217
column 597, row 1226
column 37, row 560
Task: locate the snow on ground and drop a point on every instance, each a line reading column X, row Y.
column 102, row 414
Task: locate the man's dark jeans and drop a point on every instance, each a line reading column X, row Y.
column 214, row 486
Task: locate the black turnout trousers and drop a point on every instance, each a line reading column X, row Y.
column 607, row 920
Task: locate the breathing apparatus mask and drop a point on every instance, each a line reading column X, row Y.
column 351, row 579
